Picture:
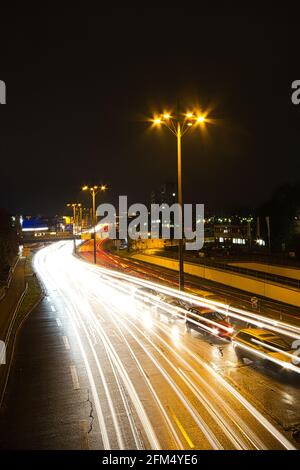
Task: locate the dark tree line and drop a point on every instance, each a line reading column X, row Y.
column 284, row 211
column 8, row 243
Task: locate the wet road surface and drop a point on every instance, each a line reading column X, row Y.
column 95, row 368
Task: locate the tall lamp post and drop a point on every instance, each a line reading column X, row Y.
column 74, row 206
column 94, row 190
column 179, row 124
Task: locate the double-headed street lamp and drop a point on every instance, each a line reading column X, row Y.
column 94, row 190
column 75, row 206
column 179, row 124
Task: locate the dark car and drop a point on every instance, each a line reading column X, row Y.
column 204, row 319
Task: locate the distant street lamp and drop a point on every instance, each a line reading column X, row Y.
column 75, row 206
column 179, row 124
column 94, row 190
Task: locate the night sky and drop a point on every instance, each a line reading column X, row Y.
column 80, row 85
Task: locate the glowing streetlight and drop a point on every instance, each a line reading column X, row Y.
column 179, row 125
column 75, row 206
column 94, row 190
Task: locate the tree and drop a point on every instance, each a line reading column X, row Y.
column 283, row 209
column 8, row 243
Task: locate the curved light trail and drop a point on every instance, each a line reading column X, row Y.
column 150, row 385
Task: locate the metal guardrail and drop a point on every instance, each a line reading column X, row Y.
column 274, row 278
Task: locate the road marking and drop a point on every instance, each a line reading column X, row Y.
column 58, row 322
column 53, row 309
column 83, row 430
column 183, row 431
column 48, row 298
column 66, row 342
column 73, row 316
column 74, row 377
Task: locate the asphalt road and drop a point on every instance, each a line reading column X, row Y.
column 95, row 368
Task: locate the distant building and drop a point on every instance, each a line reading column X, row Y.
column 231, row 234
column 226, row 231
column 34, row 224
column 166, row 194
column 41, row 226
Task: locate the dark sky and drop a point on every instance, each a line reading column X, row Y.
column 80, row 83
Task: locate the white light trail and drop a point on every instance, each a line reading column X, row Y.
column 129, row 311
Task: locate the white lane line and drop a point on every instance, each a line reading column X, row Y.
column 58, row 322
column 206, row 431
column 48, row 298
column 73, row 314
column 125, row 401
column 74, row 377
column 105, row 385
column 99, row 412
column 66, row 342
column 53, row 308
column 137, row 402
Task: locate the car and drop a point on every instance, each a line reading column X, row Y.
column 159, row 302
column 264, row 347
column 145, row 293
column 173, row 313
column 209, row 321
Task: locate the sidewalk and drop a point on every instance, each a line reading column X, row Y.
column 23, row 294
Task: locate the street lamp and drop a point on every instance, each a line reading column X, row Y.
column 74, row 205
column 94, row 190
column 179, row 124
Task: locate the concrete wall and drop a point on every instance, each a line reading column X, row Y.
column 249, row 284
column 293, row 273
column 151, row 243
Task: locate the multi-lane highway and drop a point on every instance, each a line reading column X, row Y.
column 142, row 381
column 202, row 287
